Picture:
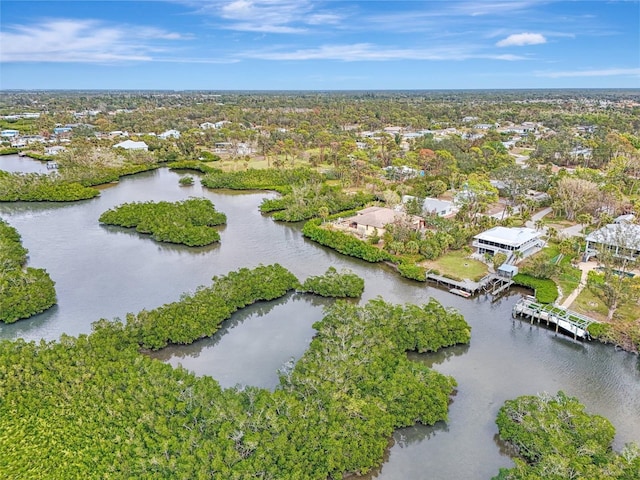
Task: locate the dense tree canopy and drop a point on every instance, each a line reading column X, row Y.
column 24, row 291
column 95, row 407
column 334, row 284
column 556, row 439
column 188, row 222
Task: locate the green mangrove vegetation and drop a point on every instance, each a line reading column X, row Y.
column 79, row 168
column 95, row 407
column 186, row 181
column 545, row 288
column 343, row 242
column 335, row 284
column 24, row 291
column 193, row 165
column 309, row 200
column 554, row 438
column 199, row 315
column 35, row 187
column 187, row 222
column 279, row 180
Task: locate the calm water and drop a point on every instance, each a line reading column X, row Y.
column 105, row 272
column 255, row 344
column 16, row 163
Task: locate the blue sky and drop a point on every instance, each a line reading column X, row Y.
column 319, row 45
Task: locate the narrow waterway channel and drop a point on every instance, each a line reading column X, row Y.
column 105, row 272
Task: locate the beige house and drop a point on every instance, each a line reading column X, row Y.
column 373, row 220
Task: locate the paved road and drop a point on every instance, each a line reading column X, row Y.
column 573, row 231
column 537, row 216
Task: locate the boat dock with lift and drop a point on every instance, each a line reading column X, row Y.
column 492, row 283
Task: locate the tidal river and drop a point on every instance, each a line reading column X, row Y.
column 105, row 272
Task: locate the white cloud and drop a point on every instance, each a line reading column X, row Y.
column 475, row 8
column 521, row 39
column 264, row 16
column 359, row 52
column 268, row 16
column 607, row 72
column 85, row 41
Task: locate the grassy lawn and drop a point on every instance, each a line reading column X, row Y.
column 625, row 326
column 568, row 280
column 258, row 162
column 458, row 264
column 588, row 304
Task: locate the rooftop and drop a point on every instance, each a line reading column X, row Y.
column 625, row 235
column 515, row 236
column 379, row 217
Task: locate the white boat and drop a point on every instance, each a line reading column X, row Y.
column 462, row 293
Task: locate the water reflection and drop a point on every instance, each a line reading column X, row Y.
column 439, row 357
column 164, row 246
column 254, row 344
column 18, row 164
column 404, row 437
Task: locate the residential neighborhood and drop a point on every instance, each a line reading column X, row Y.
column 320, row 240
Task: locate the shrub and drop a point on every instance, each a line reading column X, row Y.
column 555, row 438
column 24, row 292
column 186, row 180
column 334, row 284
column 412, row 271
column 545, row 289
column 268, row 179
column 193, row 165
column 200, row 314
column 600, row 331
column 343, row 242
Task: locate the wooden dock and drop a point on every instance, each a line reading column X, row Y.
column 566, row 320
column 491, row 283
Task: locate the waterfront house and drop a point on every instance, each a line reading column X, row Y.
column 621, row 239
column 508, row 241
column 373, row 220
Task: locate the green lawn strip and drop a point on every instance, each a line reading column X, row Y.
column 456, row 263
column 568, row 280
column 589, row 304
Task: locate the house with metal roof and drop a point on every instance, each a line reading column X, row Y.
column 169, row 134
column 131, row 145
column 621, row 239
column 508, row 241
column 442, row 208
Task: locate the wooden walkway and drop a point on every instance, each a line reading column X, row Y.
column 567, row 320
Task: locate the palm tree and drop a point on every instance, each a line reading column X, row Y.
column 539, row 224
